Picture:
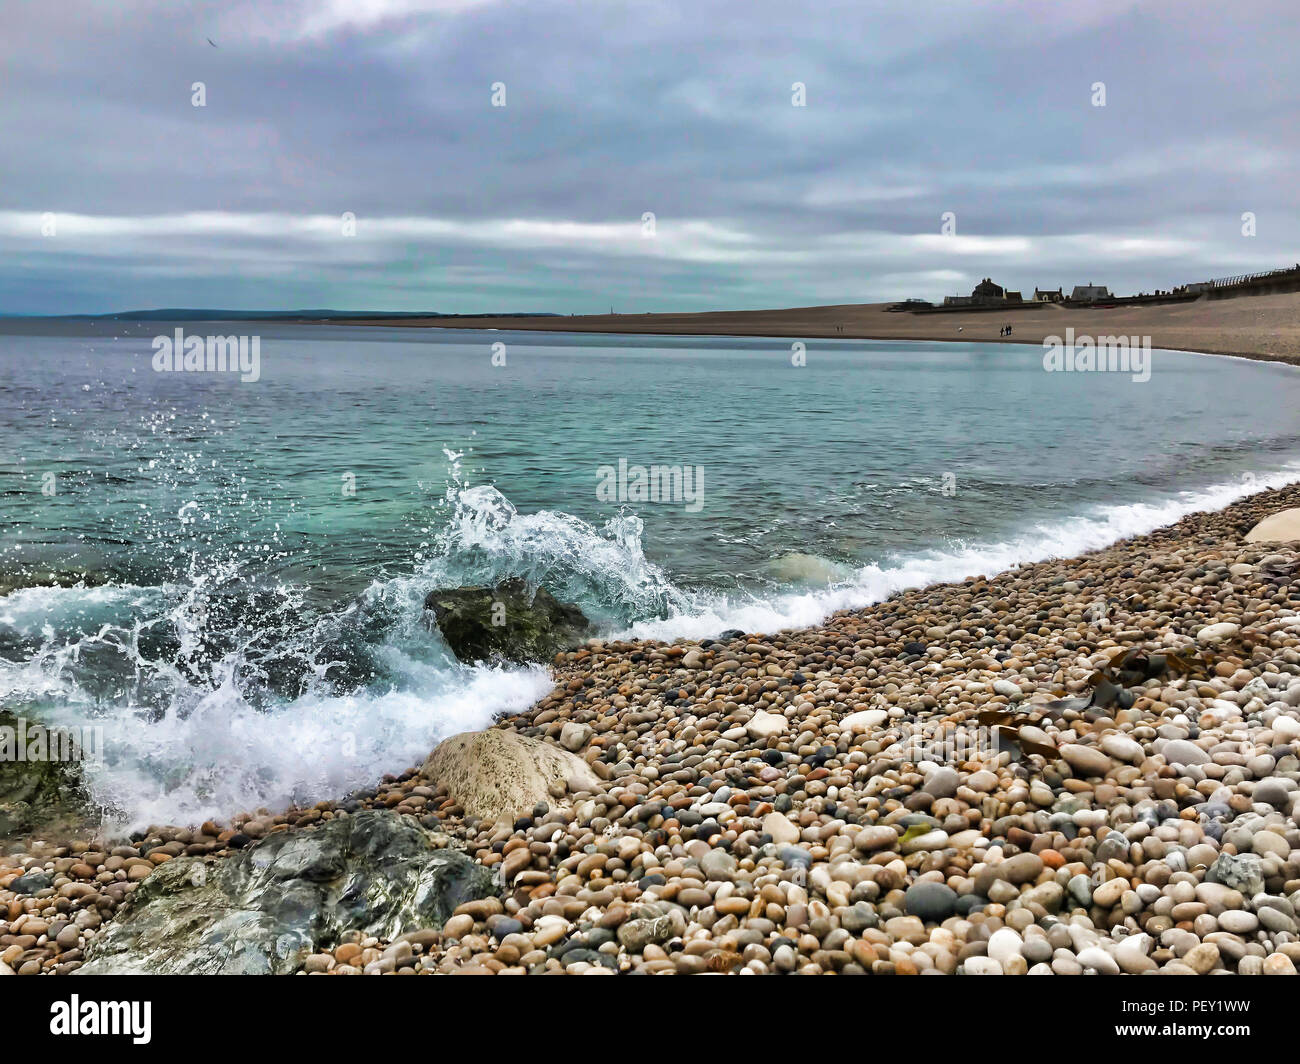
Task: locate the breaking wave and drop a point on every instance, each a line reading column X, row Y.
column 221, row 692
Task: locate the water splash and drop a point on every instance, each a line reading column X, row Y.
column 225, row 688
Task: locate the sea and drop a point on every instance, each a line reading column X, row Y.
column 225, row 571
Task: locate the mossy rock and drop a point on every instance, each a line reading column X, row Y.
column 264, row 910
column 44, row 796
column 508, row 622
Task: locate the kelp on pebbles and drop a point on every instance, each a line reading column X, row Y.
column 1086, row 764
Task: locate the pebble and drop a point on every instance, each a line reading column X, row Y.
column 764, row 725
column 930, row 902
column 1181, row 752
column 863, row 721
column 1087, row 760
column 778, row 825
column 801, row 801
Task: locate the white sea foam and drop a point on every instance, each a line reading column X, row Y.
column 224, row 756
column 200, row 749
column 875, row 583
column 209, row 752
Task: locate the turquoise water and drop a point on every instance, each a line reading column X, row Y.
column 248, row 560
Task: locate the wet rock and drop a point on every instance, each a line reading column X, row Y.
column 38, row 793
column 266, row 909
column 507, row 622
column 696, row 845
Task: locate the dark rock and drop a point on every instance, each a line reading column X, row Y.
column 790, row 856
column 507, row 622
column 931, row 902
column 266, row 908
column 707, row 830
column 501, row 925
column 38, row 792
column 858, row 918
column 590, row 956
column 1113, row 847
column 32, row 883
column 1273, row 792
column 599, row 936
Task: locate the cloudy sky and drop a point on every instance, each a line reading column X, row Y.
column 117, row 192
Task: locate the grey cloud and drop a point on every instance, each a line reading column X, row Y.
column 684, row 109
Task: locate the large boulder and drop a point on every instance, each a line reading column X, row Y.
column 263, row 910
column 508, row 622
column 500, row 775
column 1280, row 527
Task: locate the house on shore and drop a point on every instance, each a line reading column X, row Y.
column 1089, row 293
column 1048, row 295
column 985, row 294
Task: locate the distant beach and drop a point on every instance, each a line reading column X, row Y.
column 1257, row 327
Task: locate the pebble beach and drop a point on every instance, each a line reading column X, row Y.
column 1081, row 765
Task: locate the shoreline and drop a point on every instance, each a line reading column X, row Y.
column 1259, row 328
column 797, row 728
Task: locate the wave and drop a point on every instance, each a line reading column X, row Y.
column 182, row 743
column 223, row 691
column 225, row 755
column 1063, row 538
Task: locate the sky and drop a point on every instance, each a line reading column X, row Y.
column 475, row 156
